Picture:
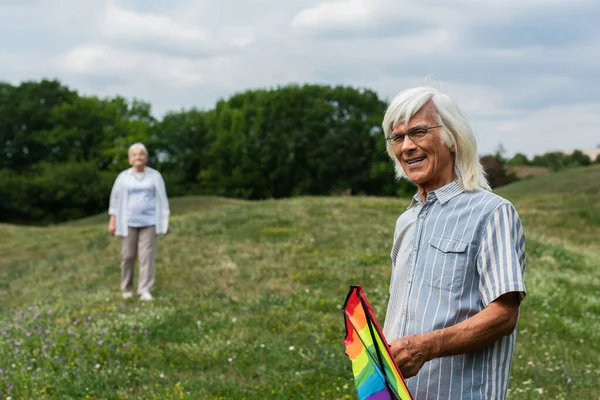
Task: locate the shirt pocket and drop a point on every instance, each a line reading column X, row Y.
column 448, row 266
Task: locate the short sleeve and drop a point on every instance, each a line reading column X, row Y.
column 501, row 256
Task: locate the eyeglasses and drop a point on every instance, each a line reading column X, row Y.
column 415, row 134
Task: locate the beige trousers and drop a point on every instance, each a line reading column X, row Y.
column 139, row 242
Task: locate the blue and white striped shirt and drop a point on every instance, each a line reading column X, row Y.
column 451, row 257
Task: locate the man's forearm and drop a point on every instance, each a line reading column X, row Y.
column 497, row 320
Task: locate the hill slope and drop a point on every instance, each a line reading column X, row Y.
column 248, row 297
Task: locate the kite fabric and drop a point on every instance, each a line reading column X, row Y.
column 376, row 375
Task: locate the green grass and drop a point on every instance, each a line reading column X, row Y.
column 248, row 298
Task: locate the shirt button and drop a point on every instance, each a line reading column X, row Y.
column 421, row 216
column 403, row 312
column 414, row 249
column 410, row 281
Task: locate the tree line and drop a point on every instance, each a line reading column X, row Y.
column 60, row 151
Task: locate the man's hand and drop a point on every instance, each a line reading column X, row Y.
column 411, row 352
column 112, row 225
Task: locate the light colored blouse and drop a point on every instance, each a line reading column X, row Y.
column 127, row 211
column 141, row 202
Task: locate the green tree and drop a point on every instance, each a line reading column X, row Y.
column 518, row 160
column 578, row 158
column 92, row 129
column 25, row 119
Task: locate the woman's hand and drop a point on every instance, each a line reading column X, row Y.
column 112, row 225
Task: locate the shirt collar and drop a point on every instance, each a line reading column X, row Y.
column 131, row 170
column 443, row 194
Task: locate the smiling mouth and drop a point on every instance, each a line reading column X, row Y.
column 415, row 160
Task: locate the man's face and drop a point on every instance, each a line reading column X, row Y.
column 426, row 161
column 138, row 158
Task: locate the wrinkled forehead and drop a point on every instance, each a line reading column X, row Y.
column 136, row 151
column 425, row 115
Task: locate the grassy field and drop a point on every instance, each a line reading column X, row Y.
column 248, row 299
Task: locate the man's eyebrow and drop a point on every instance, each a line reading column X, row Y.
column 414, row 128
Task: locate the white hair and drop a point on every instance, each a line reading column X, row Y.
column 137, row 146
column 456, row 133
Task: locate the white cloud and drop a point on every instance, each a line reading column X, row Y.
column 344, row 13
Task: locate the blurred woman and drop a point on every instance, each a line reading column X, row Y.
column 139, row 211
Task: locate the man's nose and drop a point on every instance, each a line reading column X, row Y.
column 408, row 145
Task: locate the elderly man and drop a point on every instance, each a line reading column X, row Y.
column 458, row 257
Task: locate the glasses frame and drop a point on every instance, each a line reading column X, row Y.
column 401, row 135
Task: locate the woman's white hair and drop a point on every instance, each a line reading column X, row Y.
column 137, row 146
column 456, row 133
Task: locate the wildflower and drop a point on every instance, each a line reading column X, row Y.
column 28, row 334
column 291, row 348
column 146, row 332
column 568, row 380
column 50, row 312
column 97, row 366
column 30, row 308
column 100, row 342
column 162, row 375
column 36, row 315
column 125, row 345
column 70, row 332
column 233, row 320
column 47, row 332
column 262, row 345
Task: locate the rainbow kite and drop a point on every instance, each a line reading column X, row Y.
column 376, row 375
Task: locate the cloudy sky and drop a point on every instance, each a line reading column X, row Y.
column 526, row 73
